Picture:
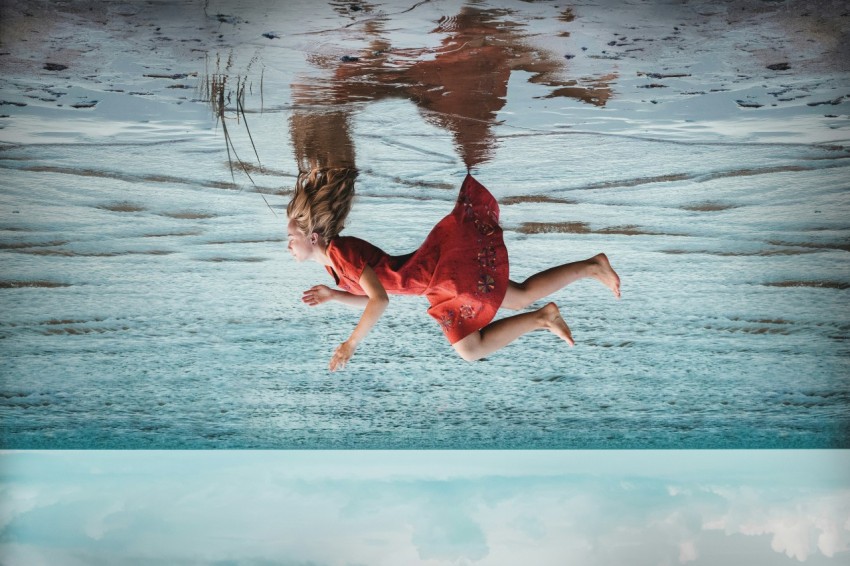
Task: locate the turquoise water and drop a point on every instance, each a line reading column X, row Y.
column 148, row 300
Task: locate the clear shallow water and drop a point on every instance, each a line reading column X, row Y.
column 148, row 300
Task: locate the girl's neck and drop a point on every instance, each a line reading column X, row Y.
column 320, row 254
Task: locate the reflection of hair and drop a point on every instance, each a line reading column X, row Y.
column 322, row 201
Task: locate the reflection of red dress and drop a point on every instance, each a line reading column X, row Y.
column 462, row 267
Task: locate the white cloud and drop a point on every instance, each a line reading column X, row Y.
column 96, row 526
column 19, row 499
column 201, row 514
column 674, row 490
column 16, row 500
column 799, row 525
column 687, row 551
column 792, row 538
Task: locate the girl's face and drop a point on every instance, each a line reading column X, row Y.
column 300, row 245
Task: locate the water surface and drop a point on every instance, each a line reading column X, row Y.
column 148, row 301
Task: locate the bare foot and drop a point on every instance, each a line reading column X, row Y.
column 551, row 320
column 605, row 274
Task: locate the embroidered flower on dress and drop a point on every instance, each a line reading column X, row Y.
column 486, row 284
column 487, row 257
column 468, row 207
column 467, row 312
column 484, row 228
column 447, row 320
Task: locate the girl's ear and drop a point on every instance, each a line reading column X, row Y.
column 314, row 238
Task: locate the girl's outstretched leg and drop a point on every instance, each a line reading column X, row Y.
column 502, row 332
column 520, row 295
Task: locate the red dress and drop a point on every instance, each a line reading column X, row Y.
column 462, row 267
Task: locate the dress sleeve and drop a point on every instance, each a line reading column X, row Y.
column 350, row 256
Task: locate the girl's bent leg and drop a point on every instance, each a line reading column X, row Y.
column 502, row 332
column 520, row 295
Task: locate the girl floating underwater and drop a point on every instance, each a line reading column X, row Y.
column 462, row 268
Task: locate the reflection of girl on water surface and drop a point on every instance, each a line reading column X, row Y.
column 459, row 85
column 462, row 268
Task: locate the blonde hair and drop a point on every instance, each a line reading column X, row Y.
column 322, row 201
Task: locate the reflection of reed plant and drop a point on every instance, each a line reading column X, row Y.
column 222, row 90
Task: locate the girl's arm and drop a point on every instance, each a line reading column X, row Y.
column 319, row 294
column 376, row 303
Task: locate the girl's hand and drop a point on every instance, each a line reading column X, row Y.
column 341, row 356
column 317, row 295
